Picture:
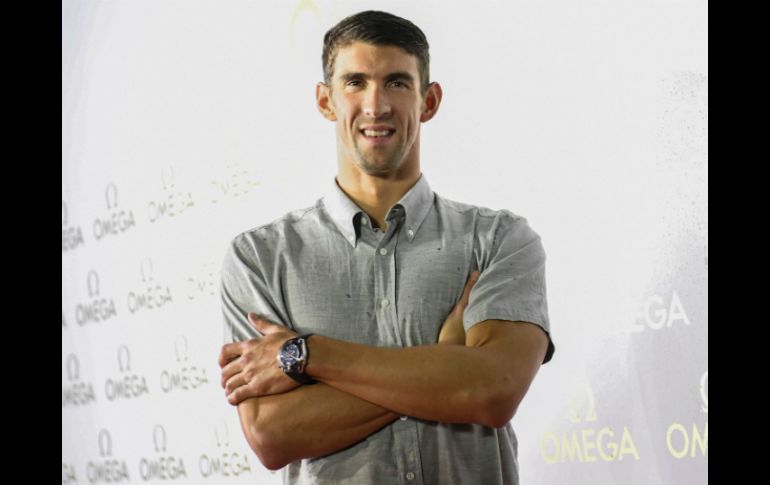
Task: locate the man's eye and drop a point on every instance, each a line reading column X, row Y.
column 350, row 83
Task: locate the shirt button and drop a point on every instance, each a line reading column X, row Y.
column 383, row 251
column 410, row 232
column 384, row 302
column 410, row 476
column 403, row 418
column 363, row 220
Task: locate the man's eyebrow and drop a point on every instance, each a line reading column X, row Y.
column 398, row 75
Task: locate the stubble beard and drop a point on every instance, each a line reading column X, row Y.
column 370, row 160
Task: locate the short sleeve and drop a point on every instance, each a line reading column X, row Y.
column 244, row 289
column 511, row 285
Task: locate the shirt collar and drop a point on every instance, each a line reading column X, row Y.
column 344, row 212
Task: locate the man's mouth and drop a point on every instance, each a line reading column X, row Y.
column 377, row 136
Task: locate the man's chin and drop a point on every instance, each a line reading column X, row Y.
column 376, row 168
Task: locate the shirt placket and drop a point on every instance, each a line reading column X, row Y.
column 405, row 430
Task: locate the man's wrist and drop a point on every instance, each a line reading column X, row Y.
column 317, row 349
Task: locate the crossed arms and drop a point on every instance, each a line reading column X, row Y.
column 480, row 378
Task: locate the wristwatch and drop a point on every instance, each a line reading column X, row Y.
column 293, row 358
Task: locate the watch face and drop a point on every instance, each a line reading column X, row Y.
column 290, row 354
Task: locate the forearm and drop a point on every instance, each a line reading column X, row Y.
column 445, row 383
column 310, row 421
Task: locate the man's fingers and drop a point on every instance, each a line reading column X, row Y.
column 235, row 397
column 467, row 292
column 229, row 352
column 235, row 382
column 229, row 371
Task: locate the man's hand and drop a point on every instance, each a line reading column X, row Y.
column 453, row 332
column 250, row 368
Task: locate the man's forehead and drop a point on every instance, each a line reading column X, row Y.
column 374, row 60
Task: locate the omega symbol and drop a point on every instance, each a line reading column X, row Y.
column 92, row 282
column 63, row 214
column 73, row 368
column 105, row 443
column 159, row 430
column 222, row 435
column 589, row 405
column 123, row 350
column 180, row 348
column 146, row 269
column 704, row 392
column 168, row 182
column 111, row 202
column 303, row 5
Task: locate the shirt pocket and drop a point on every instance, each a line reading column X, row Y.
column 435, row 309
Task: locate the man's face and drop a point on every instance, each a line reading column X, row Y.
column 377, row 87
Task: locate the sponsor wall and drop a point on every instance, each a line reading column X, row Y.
column 185, row 123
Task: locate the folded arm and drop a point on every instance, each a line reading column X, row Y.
column 316, row 420
column 307, row 422
column 481, row 383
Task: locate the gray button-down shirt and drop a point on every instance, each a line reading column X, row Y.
column 326, row 270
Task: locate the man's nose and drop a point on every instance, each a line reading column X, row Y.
column 376, row 103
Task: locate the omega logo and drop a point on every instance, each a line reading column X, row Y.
column 112, row 190
column 153, row 296
column 590, row 404
column 76, row 393
column 237, row 182
column 170, row 184
column 186, row 378
column 180, row 348
column 123, row 350
column 656, row 315
column 71, row 237
column 156, row 432
column 127, row 385
column 117, row 221
column 105, row 443
column 93, row 284
column 68, row 474
column 690, row 441
column 146, row 269
column 223, row 463
column 98, row 309
column 108, row 469
column 587, row 444
column 203, row 285
column 73, row 368
column 174, row 203
column 224, row 432
column 162, row 467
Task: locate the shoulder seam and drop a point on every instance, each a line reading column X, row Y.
column 278, row 220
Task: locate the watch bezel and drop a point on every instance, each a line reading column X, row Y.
column 289, row 362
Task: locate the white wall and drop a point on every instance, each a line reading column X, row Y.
column 185, row 123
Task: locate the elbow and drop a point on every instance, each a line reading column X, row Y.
column 498, row 410
column 267, row 450
column 257, row 423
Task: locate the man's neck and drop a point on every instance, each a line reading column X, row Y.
column 376, row 195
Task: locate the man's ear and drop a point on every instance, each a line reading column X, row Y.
column 431, row 102
column 324, row 101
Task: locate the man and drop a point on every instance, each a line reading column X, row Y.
column 359, row 353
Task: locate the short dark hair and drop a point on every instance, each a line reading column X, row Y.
column 378, row 28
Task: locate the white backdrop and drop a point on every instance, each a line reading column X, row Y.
column 185, row 123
